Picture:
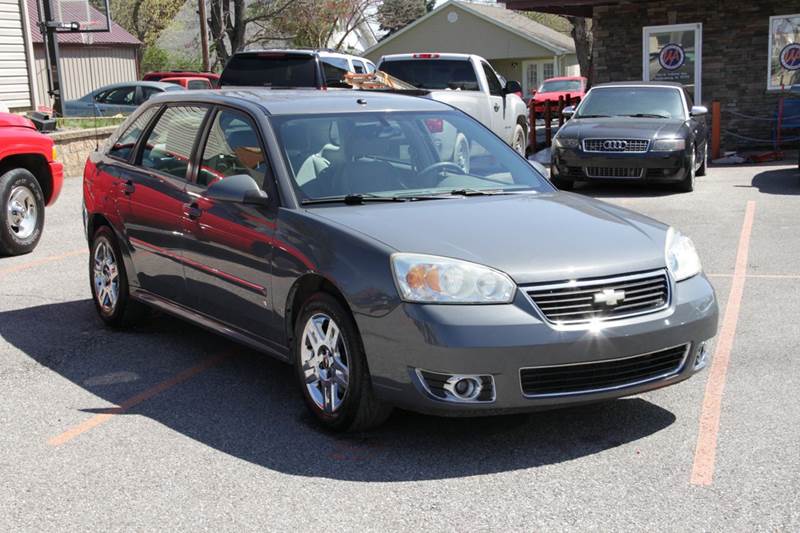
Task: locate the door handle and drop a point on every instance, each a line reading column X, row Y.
column 192, row 210
column 128, row 188
column 497, row 107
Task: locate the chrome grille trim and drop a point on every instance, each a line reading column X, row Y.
column 613, row 172
column 631, row 146
column 588, row 364
column 570, row 303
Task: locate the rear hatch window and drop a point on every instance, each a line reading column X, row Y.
column 270, row 70
column 434, row 74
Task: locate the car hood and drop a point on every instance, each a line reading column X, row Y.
column 621, row 127
column 531, row 237
column 8, row 120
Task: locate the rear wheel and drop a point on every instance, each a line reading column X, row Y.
column 332, row 368
column 461, row 153
column 518, row 142
column 109, row 282
column 22, row 215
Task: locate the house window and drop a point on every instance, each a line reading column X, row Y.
column 784, row 52
column 547, row 70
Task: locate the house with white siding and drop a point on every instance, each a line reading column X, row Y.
column 16, row 53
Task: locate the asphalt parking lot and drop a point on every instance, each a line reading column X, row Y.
column 168, row 427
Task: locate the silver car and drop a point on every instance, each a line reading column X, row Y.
column 116, row 99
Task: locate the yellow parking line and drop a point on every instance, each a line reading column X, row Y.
column 42, row 261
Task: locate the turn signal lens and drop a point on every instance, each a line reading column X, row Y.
column 433, row 279
column 55, row 153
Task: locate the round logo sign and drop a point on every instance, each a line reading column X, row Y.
column 672, row 57
column 790, row 56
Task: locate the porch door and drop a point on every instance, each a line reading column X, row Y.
column 674, row 53
column 534, row 73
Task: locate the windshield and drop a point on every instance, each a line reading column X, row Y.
column 270, row 69
column 399, row 154
column 434, row 74
column 660, row 102
column 560, row 86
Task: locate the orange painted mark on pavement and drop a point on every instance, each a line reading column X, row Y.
column 42, row 261
column 706, row 450
column 102, row 418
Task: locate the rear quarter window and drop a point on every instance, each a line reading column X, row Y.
column 125, row 143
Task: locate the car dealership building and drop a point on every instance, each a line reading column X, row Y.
column 741, row 53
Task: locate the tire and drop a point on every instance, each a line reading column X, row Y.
column 687, row 183
column 21, row 212
column 107, row 270
column 461, row 155
column 320, row 367
column 518, row 140
column 701, row 171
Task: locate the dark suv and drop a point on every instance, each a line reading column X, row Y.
column 317, row 69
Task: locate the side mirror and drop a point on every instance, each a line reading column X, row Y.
column 568, row 112
column 241, row 189
column 699, row 111
column 512, row 87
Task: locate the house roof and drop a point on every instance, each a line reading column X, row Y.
column 506, row 19
column 71, row 11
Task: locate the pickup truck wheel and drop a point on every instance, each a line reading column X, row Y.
column 22, row 215
column 518, row 144
column 109, row 282
column 461, row 153
column 332, row 368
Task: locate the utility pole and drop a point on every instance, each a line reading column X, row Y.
column 48, row 27
column 203, row 34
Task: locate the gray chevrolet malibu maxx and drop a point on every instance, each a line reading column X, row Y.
column 337, row 232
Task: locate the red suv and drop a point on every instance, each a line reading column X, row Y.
column 30, row 179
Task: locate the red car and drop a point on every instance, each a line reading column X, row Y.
column 160, row 75
column 30, row 179
column 189, row 82
column 554, row 88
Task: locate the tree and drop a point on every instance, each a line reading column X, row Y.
column 394, row 15
column 322, row 23
column 584, row 42
column 145, row 19
column 229, row 20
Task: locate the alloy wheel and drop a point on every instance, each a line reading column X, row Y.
column 21, row 212
column 106, row 276
column 325, row 362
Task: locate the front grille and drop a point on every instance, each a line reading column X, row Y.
column 613, row 172
column 597, row 376
column 581, row 301
column 616, row 145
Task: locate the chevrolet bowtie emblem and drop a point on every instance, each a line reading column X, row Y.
column 609, row 297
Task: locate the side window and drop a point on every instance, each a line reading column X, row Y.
column 148, row 92
column 124, row 145
column 689, row 101
column 359, row 67
column 232, row 148
column 370, row 68
column 334, row 69
column 119, row 96
column 199, row 84
column 168, row 147
column 495, row 89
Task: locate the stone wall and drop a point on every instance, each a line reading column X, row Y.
column 735, row 42
column 74, row 146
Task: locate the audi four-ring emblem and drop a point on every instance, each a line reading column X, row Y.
column 615, row 145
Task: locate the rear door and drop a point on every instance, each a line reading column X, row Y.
column 229, row 251
column 117, row 100
column 497, row 109
column 155, row 188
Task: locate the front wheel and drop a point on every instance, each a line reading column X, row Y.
column 687, row 183
column 109, row 282
column 332, row 368
column 22, row 215
column 704, row 164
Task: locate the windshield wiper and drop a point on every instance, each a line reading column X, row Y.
column 647, row 115
column 353, row 199
column 592, row 116
column 476, row 192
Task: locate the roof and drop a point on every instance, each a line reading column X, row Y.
column 506, row 19
column 118, row 35
column 310, row 101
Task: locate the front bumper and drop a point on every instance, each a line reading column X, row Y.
column 574, row 164
column 500, row 340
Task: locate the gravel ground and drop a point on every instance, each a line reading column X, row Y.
column 228, row 444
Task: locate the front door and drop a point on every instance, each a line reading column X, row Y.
column 534, row 74
column 674, row 53
column 155, row 188
column 229, row 253
column 497, row 108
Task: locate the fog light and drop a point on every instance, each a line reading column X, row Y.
column 464, row 388
column 471, row 388
column 701, row 359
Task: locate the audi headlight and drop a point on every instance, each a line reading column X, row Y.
column 668, row 145
column 565, row 143
column 433, row 279
column 682, row 259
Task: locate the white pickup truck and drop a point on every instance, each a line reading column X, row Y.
column 469, row 83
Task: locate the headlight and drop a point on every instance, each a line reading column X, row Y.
column 433, row 279
column 682, row 258
column 565, row 143
column 668, row 145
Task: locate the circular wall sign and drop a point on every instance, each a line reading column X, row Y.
column 672, row 57
column 452, row 17
column 790, row 56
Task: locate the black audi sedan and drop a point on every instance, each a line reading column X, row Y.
column 636, row 131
